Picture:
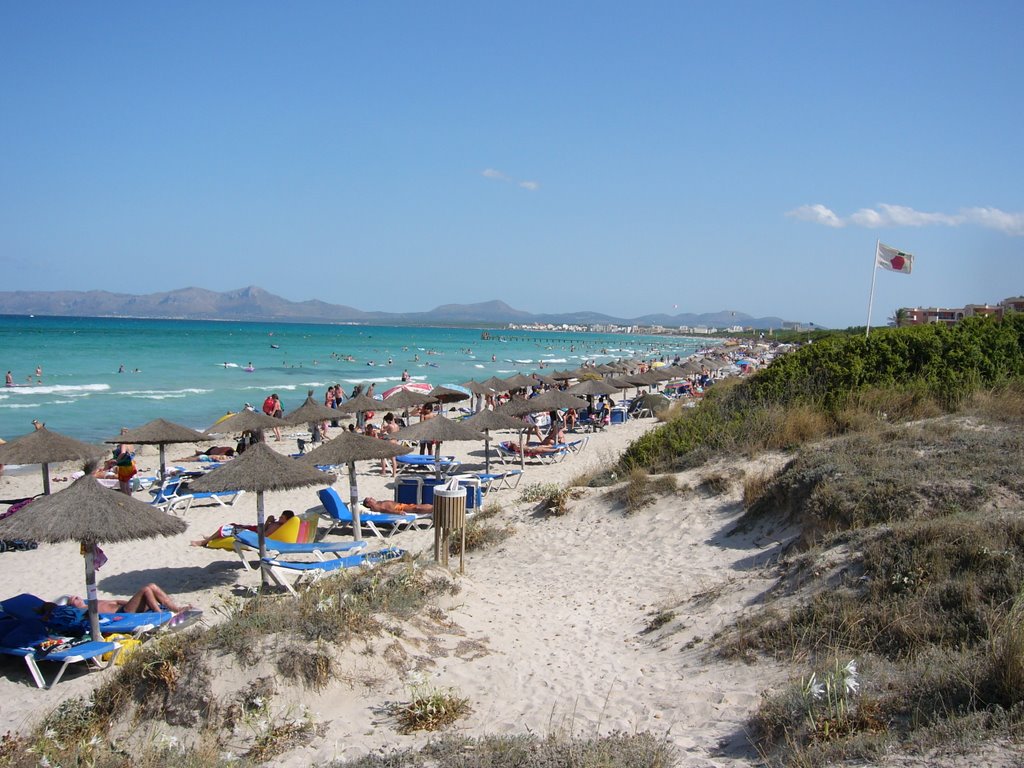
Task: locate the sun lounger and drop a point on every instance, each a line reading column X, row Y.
column 28, row 639
column 415, row 461
column 28, row 606
column 494, row 481
column 508, row 452
column 380, row 525
column 174, row 496
column 247, row 541
column 291, row 575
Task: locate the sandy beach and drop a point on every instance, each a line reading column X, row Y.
column 550, row 631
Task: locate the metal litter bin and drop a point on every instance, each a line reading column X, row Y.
column 449, row 516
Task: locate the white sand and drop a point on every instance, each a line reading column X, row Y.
column 549, row 634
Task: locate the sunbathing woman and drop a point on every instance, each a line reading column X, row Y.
column 269, row 526
column 150, row 598
column 397, row 507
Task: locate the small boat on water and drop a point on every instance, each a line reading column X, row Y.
column 275, row 346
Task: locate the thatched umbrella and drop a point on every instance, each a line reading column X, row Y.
column 88, row 513
column 562, row 375
column 519, row 381
column 498, row 385
column 45, row 447
column 542, row 379
column 592, row 387
column 448, row 394
column 310, row 412
column 485, row 421
column 437, row 429
column 653, row 401
column 405, row 399
column 551, row 400
column 478, row 388
column 243, row 421
column 348, row 448
column 162, row 433
column 261, row 469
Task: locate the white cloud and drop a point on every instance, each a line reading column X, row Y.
column 496, row 175
column 886, row 215
column 817, row 213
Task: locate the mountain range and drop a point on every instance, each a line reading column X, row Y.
column 255, row 304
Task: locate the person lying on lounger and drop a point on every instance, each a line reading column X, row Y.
column 270, row 525
column 397, row 507
column 149, row 598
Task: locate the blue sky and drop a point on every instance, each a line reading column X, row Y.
column 617, row 157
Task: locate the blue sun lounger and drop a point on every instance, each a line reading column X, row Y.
column 341, row 516
column 290, row 575
column 246, row 541
column 29, row 639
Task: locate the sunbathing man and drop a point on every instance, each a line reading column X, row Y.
column 397, row 507
column 270, row 525
column 149, row 598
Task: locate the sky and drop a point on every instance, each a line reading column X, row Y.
column 625, row 158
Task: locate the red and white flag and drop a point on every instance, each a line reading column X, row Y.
column 894, row 260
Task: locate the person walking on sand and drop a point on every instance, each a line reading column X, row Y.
column 272, row 407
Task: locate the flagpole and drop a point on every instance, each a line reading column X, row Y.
column 871, row 297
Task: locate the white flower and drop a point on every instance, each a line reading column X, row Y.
column 50, row 733
column 95, row 741
column 850, row 677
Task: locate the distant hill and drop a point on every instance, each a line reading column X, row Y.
column 253, row 303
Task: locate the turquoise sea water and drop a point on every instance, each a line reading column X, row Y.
column 192, row 372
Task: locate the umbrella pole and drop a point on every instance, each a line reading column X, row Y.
column 261, row 528
column 163, row 463
column 90, row 591
column 46, row 479
column 522, row 452
column 353, row 500
column 487, row 451
column 437, row 460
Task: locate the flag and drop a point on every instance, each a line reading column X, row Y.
column 893, row 260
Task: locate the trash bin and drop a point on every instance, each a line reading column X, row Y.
column 449, row 516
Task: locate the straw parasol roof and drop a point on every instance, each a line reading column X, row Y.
column 360, row 404
column 541, row 378
column 592, row 387
column 87, row 512
column 478, row 388
column 352, row 446
column 437, row 428
column 348, row 448
column 406, row 398
column 45, row 447
column 562, row 375
column 552, row 400
column 162, row 433
column 261, row 469
column 310, row 412
column 485, row 421
column 448, row 395
column 243, row 421
column 655, row 401
column 498, row 385
column 519, row 381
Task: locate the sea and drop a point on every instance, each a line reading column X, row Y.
column 96, row 375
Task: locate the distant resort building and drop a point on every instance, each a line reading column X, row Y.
column 952, row 316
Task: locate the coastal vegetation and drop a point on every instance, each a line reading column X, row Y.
column 899, row 593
